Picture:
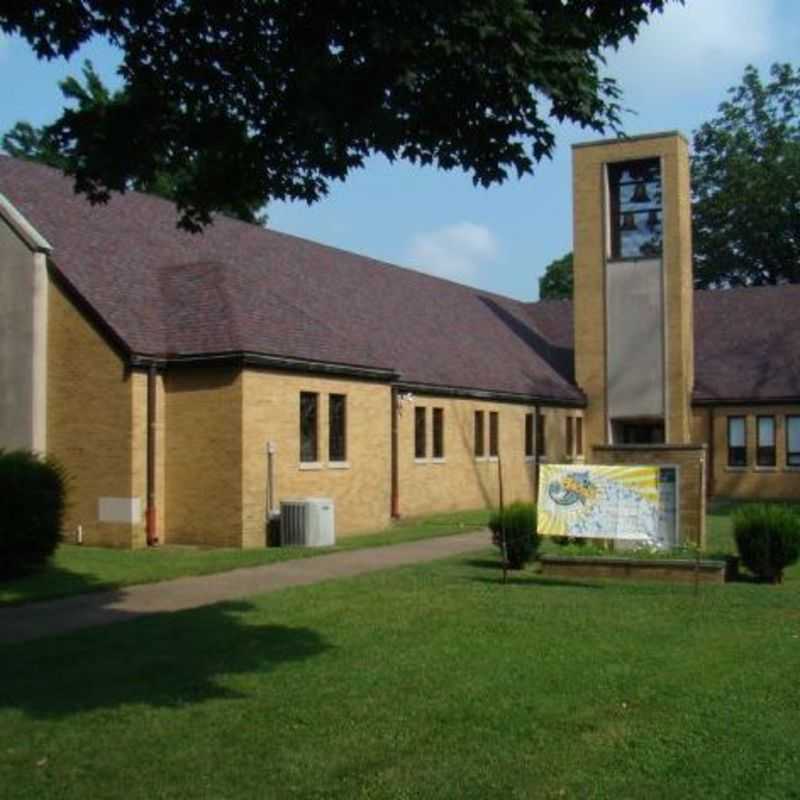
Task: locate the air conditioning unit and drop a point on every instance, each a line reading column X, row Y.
column 307, row 522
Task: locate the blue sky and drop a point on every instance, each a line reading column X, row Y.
column 674, row 76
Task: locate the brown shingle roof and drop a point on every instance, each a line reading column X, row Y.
column 241, row 288
column 238, row 288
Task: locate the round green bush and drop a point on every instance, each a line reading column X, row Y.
column 32, row 500
column 768, row 539
column 517, row 524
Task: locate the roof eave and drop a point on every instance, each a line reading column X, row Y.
column 20, row 225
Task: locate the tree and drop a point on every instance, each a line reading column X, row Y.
column 40, row 144
column 251, row 101
column 746, row 185
column 25, row 141
column 556, row 283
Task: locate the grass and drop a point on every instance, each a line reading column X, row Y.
column 75, row 570
column 434, row 681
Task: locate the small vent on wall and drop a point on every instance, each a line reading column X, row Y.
column 307, row 522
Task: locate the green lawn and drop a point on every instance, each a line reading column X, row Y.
column 75, row 569
column 434, row 681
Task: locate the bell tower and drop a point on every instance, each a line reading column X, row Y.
column 633, row 295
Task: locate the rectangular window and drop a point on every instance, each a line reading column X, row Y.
column 529, row 435
column 635, row 213
column 420, row 444
column 479, row 451
column 793, row 441
column 438, row 433
column 578, row 436
column 337, row 428
column 494, row 433
column 570, row 436
column 765, row 441
column 737, row 442
column 309, row 451
column 541, row 448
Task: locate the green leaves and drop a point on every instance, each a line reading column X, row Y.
column 556, row 283
column 259, row 100
column 746, row 184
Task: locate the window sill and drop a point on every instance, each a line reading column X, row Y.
column 310, row 465
column 765, row 469
column 530, row 459
column 338, row 465
column 481, row 458
column 736, row 469
column 791, row 469
column 420, row 460
column 438, row 461
column 492, row 458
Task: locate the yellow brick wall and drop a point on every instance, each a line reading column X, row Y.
column 203, row 456
column 779, row 482
column 360, row 491
column 462, row 481
column 90, row 409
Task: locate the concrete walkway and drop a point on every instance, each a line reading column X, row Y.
column 35, row 620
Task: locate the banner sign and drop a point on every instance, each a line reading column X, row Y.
column 598, row 501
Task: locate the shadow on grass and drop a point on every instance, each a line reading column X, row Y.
column 48, row 584
column 484, row 563
column 168, row 660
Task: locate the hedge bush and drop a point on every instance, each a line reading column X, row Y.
column 32, row 500
column 768, row 538
column 518, row 523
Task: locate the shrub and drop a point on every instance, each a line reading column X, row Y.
column 768, row 538
column 518, row 523
column 32, row 498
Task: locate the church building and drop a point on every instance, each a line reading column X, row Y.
column 189, row 383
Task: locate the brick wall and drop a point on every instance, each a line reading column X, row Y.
column 462, row 481
column 203, row 458
column 90, row 409
column 752, row 481
column 360, row 487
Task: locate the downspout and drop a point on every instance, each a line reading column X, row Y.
column 395, row 480
column 152, row 420
column 710, row 476
column 537, row 421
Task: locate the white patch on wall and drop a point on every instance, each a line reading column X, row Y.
column 119, row 509
column 456, row 251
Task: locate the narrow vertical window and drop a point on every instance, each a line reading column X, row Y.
column 570, row 437
column 737, row 442
column 309, row 449
column 479, row 451
column 420, row 445
column 793, row 441
column 636, row 214
column 494, row 433
column 529, row 435
column 541, row 441
column 578, row 436
column 765, row 441
column 337, row 429
column 438, row 433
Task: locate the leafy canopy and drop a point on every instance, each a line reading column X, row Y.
column 746, row 184
column 249, row 101
column 42, row 145
column 556, row 283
